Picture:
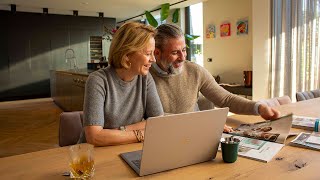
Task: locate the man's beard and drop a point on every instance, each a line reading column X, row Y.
column 173, row 70
column 169, row 68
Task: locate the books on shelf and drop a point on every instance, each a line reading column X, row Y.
column 263, row 140
column 303, row 122
column 307, row 140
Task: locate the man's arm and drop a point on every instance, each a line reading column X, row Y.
column 221, row 97
column 98, row 136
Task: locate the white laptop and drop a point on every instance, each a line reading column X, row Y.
column 178, row 140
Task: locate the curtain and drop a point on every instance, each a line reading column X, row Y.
column 295, row 55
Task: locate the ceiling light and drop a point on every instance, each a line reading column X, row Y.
column 45, row 11
column 13, row 8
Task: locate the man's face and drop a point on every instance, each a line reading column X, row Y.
column 172, row 55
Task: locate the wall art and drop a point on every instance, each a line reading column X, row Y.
column 225, row 29
column 211, row 31
column 242, row 27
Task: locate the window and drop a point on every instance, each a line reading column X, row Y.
column 295, row 62
column 196, row 28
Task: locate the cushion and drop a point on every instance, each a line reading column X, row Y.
column 284, row 100
column 70, row 127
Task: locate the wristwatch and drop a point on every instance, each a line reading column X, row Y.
column 123, row 128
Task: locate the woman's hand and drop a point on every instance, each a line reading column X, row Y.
column 227, row 129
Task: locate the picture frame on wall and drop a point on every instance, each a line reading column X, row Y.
column 225, row 29
column 211, row 31
column 242, row 27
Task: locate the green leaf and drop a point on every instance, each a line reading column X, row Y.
column 164, row 13
column 175, row 16
column 191, row 37
column 151, row 20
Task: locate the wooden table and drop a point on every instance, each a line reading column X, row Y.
column 290, row 162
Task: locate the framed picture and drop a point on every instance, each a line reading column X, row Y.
column 211, row 31
column 225, row 29
column 242, row 27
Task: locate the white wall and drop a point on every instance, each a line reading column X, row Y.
column 261, row 20
column 231, row 55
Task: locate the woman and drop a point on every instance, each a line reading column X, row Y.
column 118, row 97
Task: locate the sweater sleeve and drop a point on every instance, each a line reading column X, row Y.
column 95, row 94
column 223, row 98
column 153, row 103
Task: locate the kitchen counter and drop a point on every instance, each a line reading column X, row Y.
column 67, row 88
column 83, row 72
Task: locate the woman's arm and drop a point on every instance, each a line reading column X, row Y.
column 98, row 136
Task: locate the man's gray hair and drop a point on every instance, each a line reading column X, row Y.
column 165, row 32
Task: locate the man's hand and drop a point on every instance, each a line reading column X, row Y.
column 227, row 129
column 267, row 112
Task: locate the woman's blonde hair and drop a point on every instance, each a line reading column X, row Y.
column 130, row 37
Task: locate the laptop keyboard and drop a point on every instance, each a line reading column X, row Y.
column 137, row 162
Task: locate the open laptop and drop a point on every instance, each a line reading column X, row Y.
column 178, row 140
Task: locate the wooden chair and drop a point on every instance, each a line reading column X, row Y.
column 70, row 127
column 301, row 96
column 277, row 101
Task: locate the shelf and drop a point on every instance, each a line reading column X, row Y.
column 95, row 47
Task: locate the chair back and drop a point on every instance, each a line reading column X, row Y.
column 203, row 103
column 70, row 127
column 301, row 96
column 277, row 101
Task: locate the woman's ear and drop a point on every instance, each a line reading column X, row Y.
column 125, row 62
column 126, row 58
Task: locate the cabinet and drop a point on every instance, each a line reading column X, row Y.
column 67, row 90
column 63, row 90
column 78, row 88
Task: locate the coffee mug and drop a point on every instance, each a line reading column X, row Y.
column 229, row 151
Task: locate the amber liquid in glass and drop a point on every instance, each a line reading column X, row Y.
column 82, row 167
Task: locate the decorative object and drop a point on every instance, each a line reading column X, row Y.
column 211, row 31
column 242, row 27
column 109, row 32
column 247, row 78
column 225, row 29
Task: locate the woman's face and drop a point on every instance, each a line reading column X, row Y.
column 141, row 60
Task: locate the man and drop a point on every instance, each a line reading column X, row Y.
column 179, row 81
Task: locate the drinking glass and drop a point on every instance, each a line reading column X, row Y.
column 81, row 161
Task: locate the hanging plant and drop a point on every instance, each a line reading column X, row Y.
column 151, row 20
column 191, row 37
column 175, row 16
column 164, row 12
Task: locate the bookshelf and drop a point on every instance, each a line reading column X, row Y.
column 95, row 48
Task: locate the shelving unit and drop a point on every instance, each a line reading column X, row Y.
column 95, row 48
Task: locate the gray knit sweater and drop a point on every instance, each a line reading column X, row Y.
column 111, row 102
column 179, row 93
